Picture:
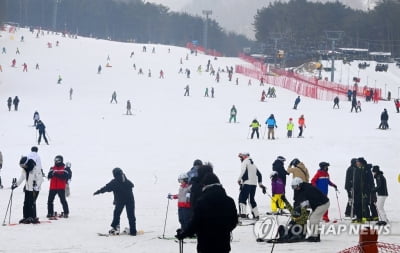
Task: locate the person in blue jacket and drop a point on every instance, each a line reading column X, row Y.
column 271, row 124
column 296, row 102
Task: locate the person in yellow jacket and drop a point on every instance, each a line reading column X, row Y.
column 289, row 127
column 255, row 125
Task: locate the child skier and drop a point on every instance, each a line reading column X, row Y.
column 278, row 189
column 183, row 196
column 289, row 127
column 123, row 197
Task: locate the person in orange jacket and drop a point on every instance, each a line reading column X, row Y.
column 302, row 125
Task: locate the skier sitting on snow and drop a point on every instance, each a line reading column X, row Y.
column 123, row 197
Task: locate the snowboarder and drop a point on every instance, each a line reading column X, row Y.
column 128, row 108
column 186, row 90
column 321, row 180
column 123, row 197
column 114, row 97
column 248, row 179
column 289, row 127
column 278, row 189
column 381, row 190
column 271, row 124
column 214, row 218
column 384, row 120
column 302, row 125
column 233, row 114
column 42, row 131
column 58, row 176
column 16, row 102
column 9, row 103
column 336, row 102
column 255, row 125
column 33, row 180
column 309, row 196
column 183, row 197
column 36, row 118
column 296, row 102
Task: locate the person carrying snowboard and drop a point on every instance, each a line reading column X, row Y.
column 123, row 197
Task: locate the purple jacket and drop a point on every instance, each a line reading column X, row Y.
column 277, row 186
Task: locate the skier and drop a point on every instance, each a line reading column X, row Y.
column 58, row 175
column 397, row 105
column 36, row 158
column 278, row 166
column 9, row 103
column 212, row 92
column 349, row 187
column 42, row 131
column 309, row 196
column 114, row 97
column 128, row 108
column 25, row 67
column 263, row 96
column 161, row 74
column 186, row 90
column 302, row 125
column 358, row 106
column 336, row 102
column 33, row 179
column 123, row 197
column 206, row 92
column 59, row 79
column 381, row 190
column 298, row 169
column 213, row 219
column 249, row 177
column 149, row 73
column 13, row 62
column 289, row 127
column 384, row 120
column 354, row 104
column 278, row 190
column 36, row 118
column 255, row 125
column 183, row 197
column 99, row 69
column 233, row 114
column 1, row 166
column 321, row 180
column 16, row 102
column 271, row 124
column 296, row 102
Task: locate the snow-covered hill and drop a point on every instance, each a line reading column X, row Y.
column 163, row 137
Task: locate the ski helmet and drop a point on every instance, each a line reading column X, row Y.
column 183, row 177
column 281, row 158
column 117, row 172
column 323, row 164
column 296, row 182
column 197, row 162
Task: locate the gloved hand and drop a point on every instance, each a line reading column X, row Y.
column 264, row 189
column 296, row 211
column 179, row 234
column 96, row 192
column 169, row 196
column 335, row 186
column 13, row 186
column 68, row 164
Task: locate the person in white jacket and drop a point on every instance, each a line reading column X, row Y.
column 33, row 179
column 35, row 157
column 249, row 177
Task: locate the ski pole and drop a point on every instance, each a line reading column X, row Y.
column 165, row 221
column 248, row 133
column 265, row 130
column 180, row 246
column 337, row 200
column 9, row 206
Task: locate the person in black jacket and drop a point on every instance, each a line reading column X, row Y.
column 123, row 197
column 42, row 131
column 278, row 166
column 16, row 102
column 381, row 190
column 214, row 218
column 384, row 120
column 9, row 103
column 197, row 185
column 349, row 186
column 308, row 195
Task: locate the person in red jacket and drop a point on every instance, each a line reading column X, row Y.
column 321, row 181
column 58, row 175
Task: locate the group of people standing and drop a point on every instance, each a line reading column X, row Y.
column 14, row 102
